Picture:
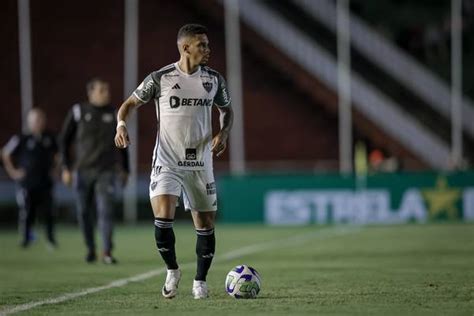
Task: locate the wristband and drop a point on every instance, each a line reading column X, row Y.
column 121, row 123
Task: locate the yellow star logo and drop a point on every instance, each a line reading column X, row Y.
column 442, row 199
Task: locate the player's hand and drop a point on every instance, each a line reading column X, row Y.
column 121, row 137
column 18, row 174
column 219, row 143
column 66, row 176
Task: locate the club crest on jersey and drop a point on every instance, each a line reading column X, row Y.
column 207, row 85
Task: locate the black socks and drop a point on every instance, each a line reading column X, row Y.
column 205, row 248
column 165, row 240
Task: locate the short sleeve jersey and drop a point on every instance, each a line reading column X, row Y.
column 184, row 112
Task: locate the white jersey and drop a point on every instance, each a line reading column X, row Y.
column 184, row 112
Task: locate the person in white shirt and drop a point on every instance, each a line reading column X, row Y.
column 184, row 93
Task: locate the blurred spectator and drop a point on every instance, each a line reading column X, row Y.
column 360, row 159
column 461, row 164
column 379, row 162
column 90, row 126
column 376, row 159
column 30, row 160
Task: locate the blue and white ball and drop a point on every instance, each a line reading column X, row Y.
column 243, row 282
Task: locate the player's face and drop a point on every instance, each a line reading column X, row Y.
column 198, row 49
column 36, row 121
column 100, row 94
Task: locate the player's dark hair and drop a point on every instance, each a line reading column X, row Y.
column 191, row 30
column 92, row 82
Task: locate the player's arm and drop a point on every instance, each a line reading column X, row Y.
column 66, row 138
column 124, row 161
column 226, row 118
column 145, row 92
column 7, row 157
column 13, row 172
column 121, row 136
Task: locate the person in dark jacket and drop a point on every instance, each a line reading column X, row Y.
column 94, row 165
column 30, row 159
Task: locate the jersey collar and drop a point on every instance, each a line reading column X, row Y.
column 194, row 74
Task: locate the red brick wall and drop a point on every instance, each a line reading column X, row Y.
column 73, row 41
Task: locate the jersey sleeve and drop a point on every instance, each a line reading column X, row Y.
column 147, row 90
column 12, row 146
column 222, row 97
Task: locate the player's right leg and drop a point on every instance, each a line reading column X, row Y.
column 165, row 188
column 200, row 197
column 25, row 216
column 205, row 248
column 84, row 186
column 164, row 208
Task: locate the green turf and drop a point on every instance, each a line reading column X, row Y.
column 411, row 269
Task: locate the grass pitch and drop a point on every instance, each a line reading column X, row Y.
column 411, row 269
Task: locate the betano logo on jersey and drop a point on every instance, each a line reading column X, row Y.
column 175, row 102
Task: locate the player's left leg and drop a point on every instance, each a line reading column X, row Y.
column 104, row 196
column 46, row 208
column 200, row 198
column 205, row 248
column 205, row 242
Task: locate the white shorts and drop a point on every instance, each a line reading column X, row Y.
column 198, row 187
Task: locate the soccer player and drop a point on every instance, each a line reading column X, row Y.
column 90, row 126
column 30, row 160
column 184, row 93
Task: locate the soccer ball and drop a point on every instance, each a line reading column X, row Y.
column 243, row 282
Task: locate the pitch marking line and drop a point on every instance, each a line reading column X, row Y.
column 298, row 239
